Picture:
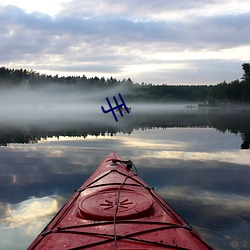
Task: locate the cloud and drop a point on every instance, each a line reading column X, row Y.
column 233, row 204
column 116, row 30
column 141, row 10
column 29, row 210
column 26, row 220
column 114, row 38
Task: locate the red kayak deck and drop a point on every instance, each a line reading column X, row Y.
column 116, row 209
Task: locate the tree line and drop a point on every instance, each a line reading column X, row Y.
column 236, row 91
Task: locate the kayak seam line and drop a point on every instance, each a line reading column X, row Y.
column 173, row 212
column 110, row 184
column 166, row 208
column 62, row 230
column 114, row 170
column 120, row 222
column 44, row 233
column 128, row 237
column 99, row 178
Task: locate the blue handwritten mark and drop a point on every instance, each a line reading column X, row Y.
column 117, row 106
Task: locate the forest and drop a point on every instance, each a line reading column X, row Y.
column 224, row 93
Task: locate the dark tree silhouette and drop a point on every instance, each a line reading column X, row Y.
column 220, row 94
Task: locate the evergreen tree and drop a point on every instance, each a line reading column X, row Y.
column 246, row 69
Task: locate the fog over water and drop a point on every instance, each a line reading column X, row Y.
column 53, row 102
column 60, row 102
column 53, row 138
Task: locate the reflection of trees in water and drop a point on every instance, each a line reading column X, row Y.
column 246, row 141
column 236, row 123
column 222, row 120
column 8, row 137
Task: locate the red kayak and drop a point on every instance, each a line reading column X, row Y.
column 116, row 209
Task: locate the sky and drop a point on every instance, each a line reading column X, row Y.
column 152, row 41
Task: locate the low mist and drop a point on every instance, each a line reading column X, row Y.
column 50, row 103
column 61, row 103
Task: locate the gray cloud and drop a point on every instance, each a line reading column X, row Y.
column 205, row 30
column 224, row 31
column 113, row 36
column 133, row 8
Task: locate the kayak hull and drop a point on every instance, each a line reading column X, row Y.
column 116, row 209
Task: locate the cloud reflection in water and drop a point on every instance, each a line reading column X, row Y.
column 198, row 171
column 25, row 220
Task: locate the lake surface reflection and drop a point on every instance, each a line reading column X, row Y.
column 193, row 159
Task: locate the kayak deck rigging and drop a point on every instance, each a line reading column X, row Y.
column 120, row 237
column 117, row 206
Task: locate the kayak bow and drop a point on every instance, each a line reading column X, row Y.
column 116, row 209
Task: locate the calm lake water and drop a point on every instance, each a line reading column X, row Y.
column 197, row 160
